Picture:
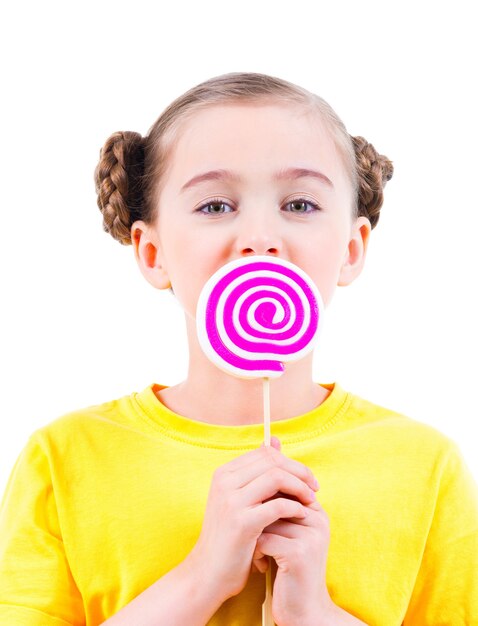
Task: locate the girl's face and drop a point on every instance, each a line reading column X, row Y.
column 237, row 186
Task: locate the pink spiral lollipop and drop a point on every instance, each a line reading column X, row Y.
column 256, row 313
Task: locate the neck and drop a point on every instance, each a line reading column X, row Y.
column 210, row 395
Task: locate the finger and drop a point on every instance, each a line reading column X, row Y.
column 314, row 516
column 261, row 564
column 287, row 528
column 258, row 558
column 268, row 484
column 275, row 443
column 256, row 460
column 271, row 458
column 277, row 547
column 268, row 512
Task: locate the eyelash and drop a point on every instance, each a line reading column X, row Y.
column 315, row 206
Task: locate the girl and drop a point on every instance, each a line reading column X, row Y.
column 162, row 507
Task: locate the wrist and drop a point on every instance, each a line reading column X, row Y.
column 201, row 581
column 337, row 616
column 181, row 596
column 332, row 616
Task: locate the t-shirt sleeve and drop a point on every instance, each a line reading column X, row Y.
column 36, row 585
column 446, row 587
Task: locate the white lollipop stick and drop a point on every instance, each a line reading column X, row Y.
column 267, row 619
column 267, row 412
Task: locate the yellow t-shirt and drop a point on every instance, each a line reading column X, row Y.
column 105, row 500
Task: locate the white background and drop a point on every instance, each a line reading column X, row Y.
column 80, row 324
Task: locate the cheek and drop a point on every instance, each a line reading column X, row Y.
column 323, row 264
column 190, row 268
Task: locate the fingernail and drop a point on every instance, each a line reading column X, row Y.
column 275, row 442
column 312, row 495
column 315, row 483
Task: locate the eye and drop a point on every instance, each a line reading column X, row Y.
column 217, row 205
column 298, row 206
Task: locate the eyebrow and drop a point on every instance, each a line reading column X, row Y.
column 291, row 173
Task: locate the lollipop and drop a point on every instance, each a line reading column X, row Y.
column 253, row 315
column 256, row 313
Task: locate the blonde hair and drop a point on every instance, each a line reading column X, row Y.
column 131, row 168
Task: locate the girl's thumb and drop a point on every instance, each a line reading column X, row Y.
column 275, row 442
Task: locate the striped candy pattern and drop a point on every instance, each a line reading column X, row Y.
column 256, row 313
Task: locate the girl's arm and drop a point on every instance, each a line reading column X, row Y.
column 339, row 617
column 182, row 596
column 177, row 599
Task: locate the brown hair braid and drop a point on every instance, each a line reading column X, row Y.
column 118, row 182
column 373, row 172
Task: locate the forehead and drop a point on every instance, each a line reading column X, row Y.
column 262, row 133
column 225, row 112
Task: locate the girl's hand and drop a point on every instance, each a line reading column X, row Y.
column 239, row 508
column 299, row 548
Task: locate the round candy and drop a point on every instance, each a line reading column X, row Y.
column 256, row 313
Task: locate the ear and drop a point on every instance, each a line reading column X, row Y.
column 354, row 258
column 147, row 252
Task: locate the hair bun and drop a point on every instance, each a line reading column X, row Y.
column 118, row 177
column 373, row 172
